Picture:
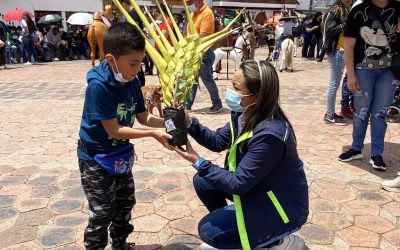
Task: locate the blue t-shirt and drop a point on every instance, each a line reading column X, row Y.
column 307, row 35
column 106, row 99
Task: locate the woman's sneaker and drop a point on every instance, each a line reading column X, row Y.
column 290, row 242
column 350, row 155
column 377, row 162
column 205, row 246
column 392, row 185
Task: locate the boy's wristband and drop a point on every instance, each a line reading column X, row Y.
column 197, row 164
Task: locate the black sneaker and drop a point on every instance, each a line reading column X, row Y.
column 126, row 246
column 350, row 155
column 377, row 162
column 214, row 109
column 336, row 119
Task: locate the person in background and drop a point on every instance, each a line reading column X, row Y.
column 3, row 41
column 38, row 41
column 316, row 41
column 204, row 20
column 307, row 37
column 28, row 30
column 17, row 50
column 369, row 75
column 334, row 44
column 54, row 43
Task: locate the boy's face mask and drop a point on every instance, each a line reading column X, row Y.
column 118, row 75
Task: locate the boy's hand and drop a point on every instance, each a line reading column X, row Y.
column 162, row 137
column 189, row 154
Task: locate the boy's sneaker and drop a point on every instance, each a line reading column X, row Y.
column 350, row 155
column 126, row 246
column 336, row 119
column 392, row 185
column 347, row 113
column 290, row 242
column 214, row 109
column 377, row 162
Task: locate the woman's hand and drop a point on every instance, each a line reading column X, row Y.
column 188, row 119
column 162, row 137
column 352, row 83
column 189, row 154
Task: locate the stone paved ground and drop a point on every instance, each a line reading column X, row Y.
column 41, row 201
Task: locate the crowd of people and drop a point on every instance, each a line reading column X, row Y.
column 31, row 44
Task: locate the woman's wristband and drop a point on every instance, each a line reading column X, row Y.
column 199, row 161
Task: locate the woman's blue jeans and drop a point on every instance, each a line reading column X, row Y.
column 218, row 228
column 372, row 101
column 337, row 66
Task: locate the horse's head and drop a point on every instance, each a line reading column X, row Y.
column 108, row 12
column 97, row 16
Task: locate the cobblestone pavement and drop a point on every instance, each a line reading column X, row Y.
column 42, row 205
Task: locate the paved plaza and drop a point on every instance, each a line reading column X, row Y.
column 42, row 205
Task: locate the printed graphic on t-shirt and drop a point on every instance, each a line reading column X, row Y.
column 377, row 49
column 126, row 115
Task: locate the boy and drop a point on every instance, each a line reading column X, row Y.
column 113, row 100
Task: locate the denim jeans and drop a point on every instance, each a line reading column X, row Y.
column 206, row 75
column 337, row 65
column 29, row 48
column 218, row 228
column 372, row 102
column 347, row 95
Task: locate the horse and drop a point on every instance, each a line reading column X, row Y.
column 288, row 48
column 96, row 31
column 236, row 53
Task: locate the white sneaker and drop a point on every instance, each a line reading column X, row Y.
column 28, row 63
column 392, row 185
column 215, row 76
column 205, row 246
column 290, row 242
column 7, row 66
column 56, row 59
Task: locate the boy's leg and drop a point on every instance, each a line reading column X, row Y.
column 124, row 201
column 100, row 190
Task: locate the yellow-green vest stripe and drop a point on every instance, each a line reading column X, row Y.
column 278, row 207
column 244, row 240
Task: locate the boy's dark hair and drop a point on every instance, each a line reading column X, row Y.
column 121, row 38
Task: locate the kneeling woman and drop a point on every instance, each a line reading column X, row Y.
column 263, row 174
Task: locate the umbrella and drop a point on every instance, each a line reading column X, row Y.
column 51, row 18
column 15, row 15
column 80, row 19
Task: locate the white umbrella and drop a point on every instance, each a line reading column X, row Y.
column 80, row 19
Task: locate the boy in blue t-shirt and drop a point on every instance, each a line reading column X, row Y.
column 113, row 101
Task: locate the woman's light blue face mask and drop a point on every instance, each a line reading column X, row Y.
column 233, row 100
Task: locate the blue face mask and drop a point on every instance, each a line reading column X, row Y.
column 233, row 99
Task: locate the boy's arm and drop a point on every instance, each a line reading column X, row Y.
column 150, row 120
column 115, row 130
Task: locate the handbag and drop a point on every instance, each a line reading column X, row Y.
column 118, row 162
column 395, row 65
